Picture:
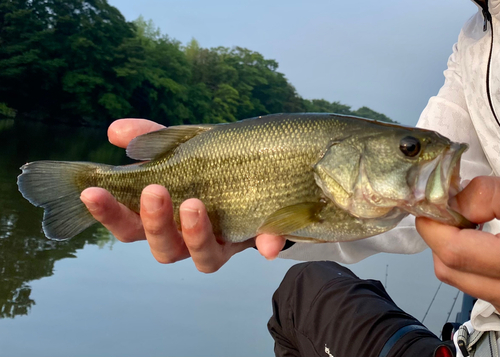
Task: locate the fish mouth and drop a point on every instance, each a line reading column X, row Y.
column 439, row 179
column 437, row 182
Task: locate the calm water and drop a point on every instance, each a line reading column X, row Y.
column 115, row 300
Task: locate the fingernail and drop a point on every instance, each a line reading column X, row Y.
column 152, row 202
column 189, row 217
column 91, row 205
column 272, row 256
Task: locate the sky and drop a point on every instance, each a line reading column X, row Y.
column 388, row 55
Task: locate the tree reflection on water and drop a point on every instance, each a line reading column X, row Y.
column 25, row 253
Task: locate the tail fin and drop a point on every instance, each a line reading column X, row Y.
column 54, row 185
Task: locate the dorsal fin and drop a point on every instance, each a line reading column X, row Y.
column 158, row 143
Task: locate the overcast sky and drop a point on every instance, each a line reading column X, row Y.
column 388, row 55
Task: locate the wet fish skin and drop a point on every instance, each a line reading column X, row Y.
column 278, row 174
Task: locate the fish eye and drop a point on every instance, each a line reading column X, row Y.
column 410, row 146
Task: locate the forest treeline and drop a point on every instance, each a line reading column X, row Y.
column 81, row 62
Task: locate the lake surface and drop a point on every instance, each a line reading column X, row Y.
column 114, row 299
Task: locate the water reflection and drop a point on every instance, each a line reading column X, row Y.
column 25, row 254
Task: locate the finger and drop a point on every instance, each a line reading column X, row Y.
column 125, row 224
column 208, row 254
column 161, row 231
column 482, row 287
column 466, row 250
column 269, row 245
column 479, row 202
column 121, row 131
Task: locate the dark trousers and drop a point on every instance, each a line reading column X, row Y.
column 324, row 309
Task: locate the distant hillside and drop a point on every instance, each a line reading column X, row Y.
column 81, row 62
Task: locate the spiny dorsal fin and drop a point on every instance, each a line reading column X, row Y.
column 289, row 219
column 158, row 143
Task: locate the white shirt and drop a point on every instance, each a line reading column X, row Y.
column 484, row 317
column 461, row 112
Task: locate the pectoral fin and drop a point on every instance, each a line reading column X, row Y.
column 159, row 143
column 291, row 218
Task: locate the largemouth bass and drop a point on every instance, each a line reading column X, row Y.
column 310, row 177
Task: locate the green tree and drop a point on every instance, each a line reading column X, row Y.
column 57, row 58
column 324, row 106
column 366, row 112
column 79, row 61
column 7, row 112
column 155, row 74
column 27, row 68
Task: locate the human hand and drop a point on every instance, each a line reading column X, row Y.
column 156, row 223
column 469, row 259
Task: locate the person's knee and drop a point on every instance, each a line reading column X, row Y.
column 295, row 295
column 315, row 273
column 304, row 281
column 327, row 270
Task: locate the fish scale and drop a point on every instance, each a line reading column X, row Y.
column 254, row 176
column 250, row 180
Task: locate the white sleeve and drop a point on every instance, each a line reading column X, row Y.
column 446, row 113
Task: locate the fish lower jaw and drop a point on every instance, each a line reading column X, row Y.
column 439, row 180
column 438, row 212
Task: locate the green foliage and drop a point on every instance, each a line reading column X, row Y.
column 80, row 62
column 57, row 57
column 366, row 112
column 7, row 112
column 324, row 106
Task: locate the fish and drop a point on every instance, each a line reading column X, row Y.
column 308, row 177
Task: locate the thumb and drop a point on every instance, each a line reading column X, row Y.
column 479, row 202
